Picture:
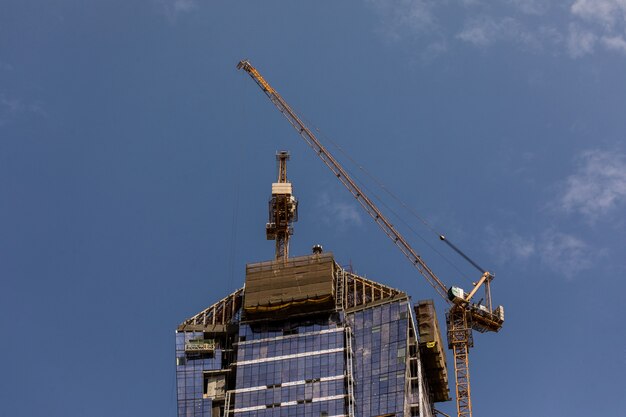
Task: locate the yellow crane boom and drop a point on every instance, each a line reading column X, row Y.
column 463, row 315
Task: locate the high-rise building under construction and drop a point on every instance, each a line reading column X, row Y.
column 306, row 337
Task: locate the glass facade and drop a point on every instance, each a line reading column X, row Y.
column 295, row 370
column 358, row 362
column 380, row 358
column 190, row 379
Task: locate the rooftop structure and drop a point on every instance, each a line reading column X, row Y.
column 305, row 337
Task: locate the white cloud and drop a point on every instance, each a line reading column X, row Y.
column 339, row 213
column 172, row 8
column 510, row 246
column 581, row 26
column 471, row 3
column 406, row 17
column 483, row 31
column 346, row 213
column 605, row 12
column 616, row 43
column 531, row 7
column 11, row 108
column 10, row 104
column 435, row 49
column 605, row 23
column 597, row 187
column 184, row 5
column 565, row 254
column 414, row 20
column 580, row 41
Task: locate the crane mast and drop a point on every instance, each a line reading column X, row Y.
column 283, row 210
column 463, row 316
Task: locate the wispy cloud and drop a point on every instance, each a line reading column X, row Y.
column 486, row 30
column 339, row 213
column 564, row 254
column 10, row 105
column 616, row 43
column 597, row 187
column 483, row 31
column 11, row 108
column 583, row 26
column 595, row 190
column 597, row 22
column 606, row 12
column 580, row 41
column 172, row 8
column 510, row 246
column 346, row 213
column 531, row 7
column 406, row 17
column 415, row 20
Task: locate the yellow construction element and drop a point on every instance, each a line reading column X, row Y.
column 460, row 340
column 247, row 66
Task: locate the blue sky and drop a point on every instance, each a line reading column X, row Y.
column 136, row 162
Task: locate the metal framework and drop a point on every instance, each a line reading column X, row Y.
column 414, row 372
column 460, row 339
column 283, row 210
column 354, row 292
column 216, row 317
column 349, row 372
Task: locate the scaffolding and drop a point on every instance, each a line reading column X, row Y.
column 357, row 358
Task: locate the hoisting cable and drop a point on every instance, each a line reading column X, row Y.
column 382, row 202
column 409, row 209
column 457, row 250
column 381, row 185
column 243, row 110
column 415, row 232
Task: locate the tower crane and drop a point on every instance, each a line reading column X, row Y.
column 463, row 315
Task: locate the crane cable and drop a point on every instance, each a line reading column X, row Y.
column 412, row 211
column 232, row 254
column 380, row 184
